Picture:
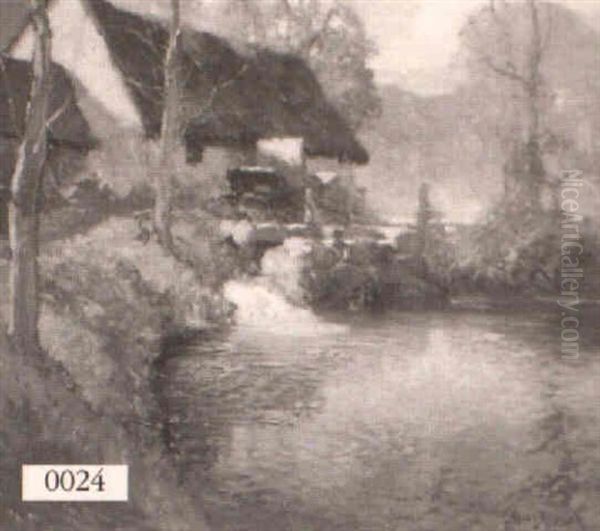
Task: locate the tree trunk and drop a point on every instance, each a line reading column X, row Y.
column 169, row 135
column 26, row 180
column 533, row 80
column 535, row 165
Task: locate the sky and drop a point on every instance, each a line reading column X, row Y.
column 418, row 39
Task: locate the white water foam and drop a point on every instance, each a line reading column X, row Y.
column 282, row 267
column 272, row 301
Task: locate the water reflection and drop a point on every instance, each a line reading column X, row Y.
column 425, row 421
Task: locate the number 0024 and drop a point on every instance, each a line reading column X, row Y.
column 67, row 480
column 75, row 483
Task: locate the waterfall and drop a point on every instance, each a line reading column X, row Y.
column 273, row 300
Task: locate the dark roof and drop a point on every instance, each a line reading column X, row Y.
column 68, row 126
column 277, row 95
column 229, row 99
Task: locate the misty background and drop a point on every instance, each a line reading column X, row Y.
column 438, row 119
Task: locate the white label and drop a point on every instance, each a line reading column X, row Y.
column 69, row 483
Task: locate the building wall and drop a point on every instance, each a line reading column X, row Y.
column 285, row 150
column 216, row 161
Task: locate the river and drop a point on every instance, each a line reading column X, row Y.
column 457, row 420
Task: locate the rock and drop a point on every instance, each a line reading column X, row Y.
column 240, row 231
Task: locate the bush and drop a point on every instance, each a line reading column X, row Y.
column 370, row 276
column 512, row 253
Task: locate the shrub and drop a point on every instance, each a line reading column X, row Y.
column 513, row 252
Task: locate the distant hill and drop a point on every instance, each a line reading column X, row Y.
column 452, row 140
column 429, row 139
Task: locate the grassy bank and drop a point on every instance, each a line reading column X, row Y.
column 108, row 300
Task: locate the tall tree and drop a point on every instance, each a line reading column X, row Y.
column 507, row 42
column 426, row 217
column 170, row 133
column 25, row 192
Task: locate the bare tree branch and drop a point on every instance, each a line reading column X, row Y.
column 146, row 40
column 308, row 44
column 508, row 70
column 550, row 21
column 59, row 112
column 536, row 51
column 503, row 29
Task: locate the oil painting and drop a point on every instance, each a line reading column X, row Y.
column 300, row 265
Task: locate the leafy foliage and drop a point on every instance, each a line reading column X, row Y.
column 366, row 276
column 513, row 253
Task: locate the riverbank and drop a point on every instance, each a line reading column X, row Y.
column 47, row 419
column 108, row 301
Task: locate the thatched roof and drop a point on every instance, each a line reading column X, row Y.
column 67, row 125
column 229, row 99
